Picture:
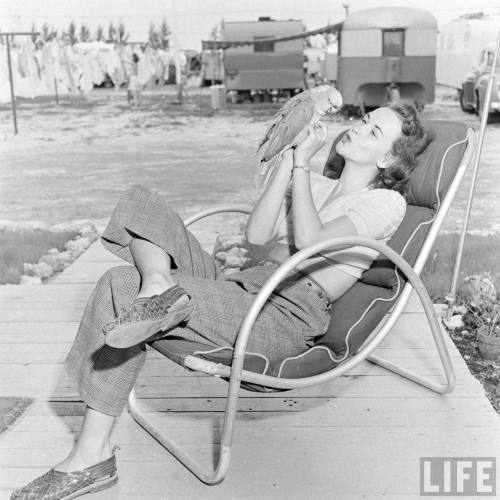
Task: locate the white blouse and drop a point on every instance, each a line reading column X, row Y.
column 375, row 213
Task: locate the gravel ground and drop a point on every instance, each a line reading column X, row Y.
column 71, row 162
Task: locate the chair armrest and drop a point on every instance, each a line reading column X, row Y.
column 236, row 370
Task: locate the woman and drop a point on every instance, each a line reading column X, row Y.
column 176, row 288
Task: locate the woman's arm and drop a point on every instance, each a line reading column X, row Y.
column 261, row 225
column 307, row 226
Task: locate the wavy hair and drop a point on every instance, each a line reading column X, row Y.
column 405, row 151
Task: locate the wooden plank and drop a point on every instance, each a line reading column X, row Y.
column 54, row 314
column 43, row 293
column 11, row 330
column 254, row 434
column 85, row 273
column 286, row 412
column 57, row 351
column 158, row 407
column 353, row 453
column 96, row 252
column 342, row 387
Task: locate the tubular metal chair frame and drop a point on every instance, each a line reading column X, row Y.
column 235, row 372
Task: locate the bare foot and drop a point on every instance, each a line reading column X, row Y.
column 155, row 284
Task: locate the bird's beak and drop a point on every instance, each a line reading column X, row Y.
column 332, row 111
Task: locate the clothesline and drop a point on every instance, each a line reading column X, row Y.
column 79, row 67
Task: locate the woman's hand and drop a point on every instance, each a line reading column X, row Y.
column 315, row 140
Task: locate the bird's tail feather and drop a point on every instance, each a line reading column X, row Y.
column 264, row 172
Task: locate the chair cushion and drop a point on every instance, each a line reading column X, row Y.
column 437, row 167
column 316, row 360
column 354, row 316
column 362, row 307
column 407, row 241
column 177, row 349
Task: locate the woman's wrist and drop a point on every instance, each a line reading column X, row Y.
column 301, row 162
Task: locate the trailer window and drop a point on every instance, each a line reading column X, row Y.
column 263, row 46
column 393, row 42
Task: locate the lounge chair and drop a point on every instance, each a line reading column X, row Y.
column 361, row 318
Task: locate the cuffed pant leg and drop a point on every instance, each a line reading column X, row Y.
column 146, row 214
column 105, row 375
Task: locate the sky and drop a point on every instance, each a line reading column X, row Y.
column 193, row 20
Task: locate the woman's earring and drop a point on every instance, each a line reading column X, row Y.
column 385, row 162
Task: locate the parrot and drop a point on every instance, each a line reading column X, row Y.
column 290, row 126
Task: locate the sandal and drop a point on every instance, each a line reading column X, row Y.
column 58, row 485
column 148, row 318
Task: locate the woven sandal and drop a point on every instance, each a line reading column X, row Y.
column 148, row 318
column 58, row 485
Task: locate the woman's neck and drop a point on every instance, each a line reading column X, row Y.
column 355, row 177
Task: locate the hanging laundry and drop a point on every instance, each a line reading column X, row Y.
column 39, row 68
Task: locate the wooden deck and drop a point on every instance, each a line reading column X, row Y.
column 360, row 436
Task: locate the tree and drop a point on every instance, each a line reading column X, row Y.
column 72, row 33
column 164, row 34
column 122, row 33
column 217, row 32
column 33, row 30
column 112, row 33
column 99, row 34
column 45, row 34
column 84, row 33
column 154, row 37
column 53, row 33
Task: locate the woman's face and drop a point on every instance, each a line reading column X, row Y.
column 371, row 139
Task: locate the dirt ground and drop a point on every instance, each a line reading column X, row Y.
column 71, row 161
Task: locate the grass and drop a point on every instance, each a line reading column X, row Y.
column 11, row 408
column 26, row 245
column 480, row 256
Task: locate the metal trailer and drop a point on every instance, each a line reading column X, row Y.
column 460, row 44
column 267, row 67
column 387, row 53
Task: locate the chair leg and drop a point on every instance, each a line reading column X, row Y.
column 209, row 477
column 444, row 356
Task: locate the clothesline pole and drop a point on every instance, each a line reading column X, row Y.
column 56, row 92
column 12, row 97
column 9, row 63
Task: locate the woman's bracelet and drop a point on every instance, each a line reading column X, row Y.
column 305, row 168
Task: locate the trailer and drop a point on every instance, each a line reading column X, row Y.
column 387, row 53
column 267, row 67
column 460, row 44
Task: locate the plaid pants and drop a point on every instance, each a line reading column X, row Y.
column 292, row 317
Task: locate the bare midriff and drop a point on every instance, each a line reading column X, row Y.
column 334, row 281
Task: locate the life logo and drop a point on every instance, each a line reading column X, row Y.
column 457, row 476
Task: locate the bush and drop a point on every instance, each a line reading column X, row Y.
column 26, row 245
column 480, row 256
